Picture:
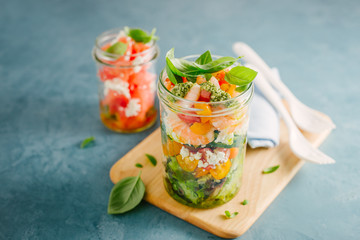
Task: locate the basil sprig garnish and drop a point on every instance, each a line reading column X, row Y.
column 204, row 65
column 140, row 35
column 240, row 76
column 126, row 195
column 204, row 58
column 184, row 68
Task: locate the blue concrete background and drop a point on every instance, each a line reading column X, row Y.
column 51, row 189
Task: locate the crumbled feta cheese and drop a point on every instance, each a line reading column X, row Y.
column 213, row 159
column 184, row 152
column 133, row 108
column 138, row 61
column 195, row 156
column 202, row 164
column 117, row 85
column 224, row 137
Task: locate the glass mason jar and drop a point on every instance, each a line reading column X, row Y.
column 126, row 84
column 204, row 146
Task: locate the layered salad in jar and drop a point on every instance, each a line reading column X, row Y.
column 126, row 68
column 204, row 118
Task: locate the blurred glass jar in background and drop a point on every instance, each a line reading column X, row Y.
column 126, row 71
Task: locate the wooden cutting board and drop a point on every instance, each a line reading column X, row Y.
column 259, row 189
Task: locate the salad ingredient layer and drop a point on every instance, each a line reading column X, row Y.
column 204, row 150
column 127, row 102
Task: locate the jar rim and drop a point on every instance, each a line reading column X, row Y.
column 113, row 33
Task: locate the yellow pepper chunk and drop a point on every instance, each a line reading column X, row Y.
column 206, row 110
column 201, row 128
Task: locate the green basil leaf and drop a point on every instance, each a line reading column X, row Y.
column 87, row 141
column 230, row 215
column 270, row 169
column 126, row 195
column 204, row 58
column 184, row 68
column 117, row 48
column 242, row 88
column 152, row 159
column 139, row 35
column 244, row 202
column 175, row 79
column 138, row 165
column 240, row 76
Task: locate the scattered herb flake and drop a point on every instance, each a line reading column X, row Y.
column 270, row 169
column 126, row 194
column 244, row 202
column 138, row 165
column 87, row 141
column 152, row 159
column 230, row 215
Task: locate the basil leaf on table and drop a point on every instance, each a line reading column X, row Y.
column 138, row 165
column 126, row 195
column 87, row 141
column 240, row 76
column 204, row 58
column 117, row 48
column 152, row 159
column 244, row 202
column 230, row 215
column 270, row 169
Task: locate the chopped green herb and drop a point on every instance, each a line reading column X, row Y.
column 182, row 89
column 230, row 215
column 217, row 94
column 270, row 169
column 140, row 35
column 117, row 48
column 244, row 202
column 138, row 165
column 126, row 195
column 152, row 159
column 87, row 141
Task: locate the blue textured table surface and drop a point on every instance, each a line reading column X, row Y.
column 52, row 189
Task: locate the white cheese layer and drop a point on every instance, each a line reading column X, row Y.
column 133, row 108
column 117, row 85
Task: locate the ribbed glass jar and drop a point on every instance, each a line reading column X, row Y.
column 204, row 146
column 126, row 85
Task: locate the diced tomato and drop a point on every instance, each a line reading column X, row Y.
column 184, row 79
column 168, row 84
column 189, row 119
column 205, row 96
column 139, row 47
column 114, row 100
